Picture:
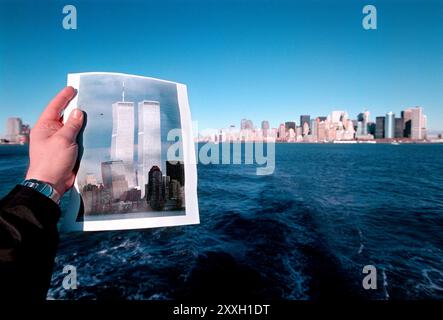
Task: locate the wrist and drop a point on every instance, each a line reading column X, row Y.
column 44, row 187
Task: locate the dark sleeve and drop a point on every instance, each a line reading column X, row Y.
column 28, row 243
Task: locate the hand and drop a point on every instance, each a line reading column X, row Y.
column 53, row 146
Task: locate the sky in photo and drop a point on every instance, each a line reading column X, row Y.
column 97, row 93
column 270, row 60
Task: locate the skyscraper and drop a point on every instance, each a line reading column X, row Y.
column 156, row 189
column 149, row 140
column 336, row 116
column 176, row 171
column 379, row 127
column 281, row 132
column 290, row 125
column 265, row 128
column 122, row 143
column 398, row 132
column 418, row 127
column 390, row 125
column 114, row 177
column 13, row 129
column 305, row 119
column 314, row 128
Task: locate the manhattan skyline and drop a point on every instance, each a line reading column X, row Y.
column 246, row 59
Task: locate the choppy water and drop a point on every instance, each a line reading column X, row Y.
column 304, row 232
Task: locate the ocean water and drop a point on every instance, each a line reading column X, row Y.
column 305, row 232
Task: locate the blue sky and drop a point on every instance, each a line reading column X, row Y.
column 270, row 60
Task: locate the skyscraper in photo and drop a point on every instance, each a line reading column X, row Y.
column 176, row 171
column 390, row 125
column 122, row 144
column 155, row 189
column 114, row 176
column 149, row 140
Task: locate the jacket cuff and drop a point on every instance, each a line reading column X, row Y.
column 44, row 209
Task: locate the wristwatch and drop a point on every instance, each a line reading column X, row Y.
column 44, row 188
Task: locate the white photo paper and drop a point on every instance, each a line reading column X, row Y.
column 137, row 167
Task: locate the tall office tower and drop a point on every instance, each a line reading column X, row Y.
column 13, row 129
column 379, row 127
column 114, row 176
column 290, row 125
column 122, row 143
column 336, row 116
column 305, row 129
column 149, row 140
column 246, row 124
column 155, row 196
column 243, row 124
column 281, row 132
column 305, row 119
column 265, row 128
column 398, row 131
column 321, row 130
column 390, row 125
column 314, row 128
column 176, row 171
column 371, row 128
column 407, row 122
column 418, row 128
column 365, row 122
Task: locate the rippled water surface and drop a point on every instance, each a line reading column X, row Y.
column 304, row 232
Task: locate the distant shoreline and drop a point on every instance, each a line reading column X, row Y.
column 14, row 144
column 332, row 142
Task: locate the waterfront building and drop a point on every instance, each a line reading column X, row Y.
column 13, row 129
column 389, row 125
column 379, row 127
column 305, row 129
column 336, row 117
column 321, row 130
column 305, row 119
column 418, row 126
column 398, row 131
column 282, row 132
column 290, row 125
column 265, row 128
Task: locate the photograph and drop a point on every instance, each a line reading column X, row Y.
column 125, row 171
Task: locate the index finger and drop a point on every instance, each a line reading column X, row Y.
column 57, row 104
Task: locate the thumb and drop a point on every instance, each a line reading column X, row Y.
column 73, row 126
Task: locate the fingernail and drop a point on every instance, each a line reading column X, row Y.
column 77, row 114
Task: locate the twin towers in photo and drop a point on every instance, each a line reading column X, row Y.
column 149, row 139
